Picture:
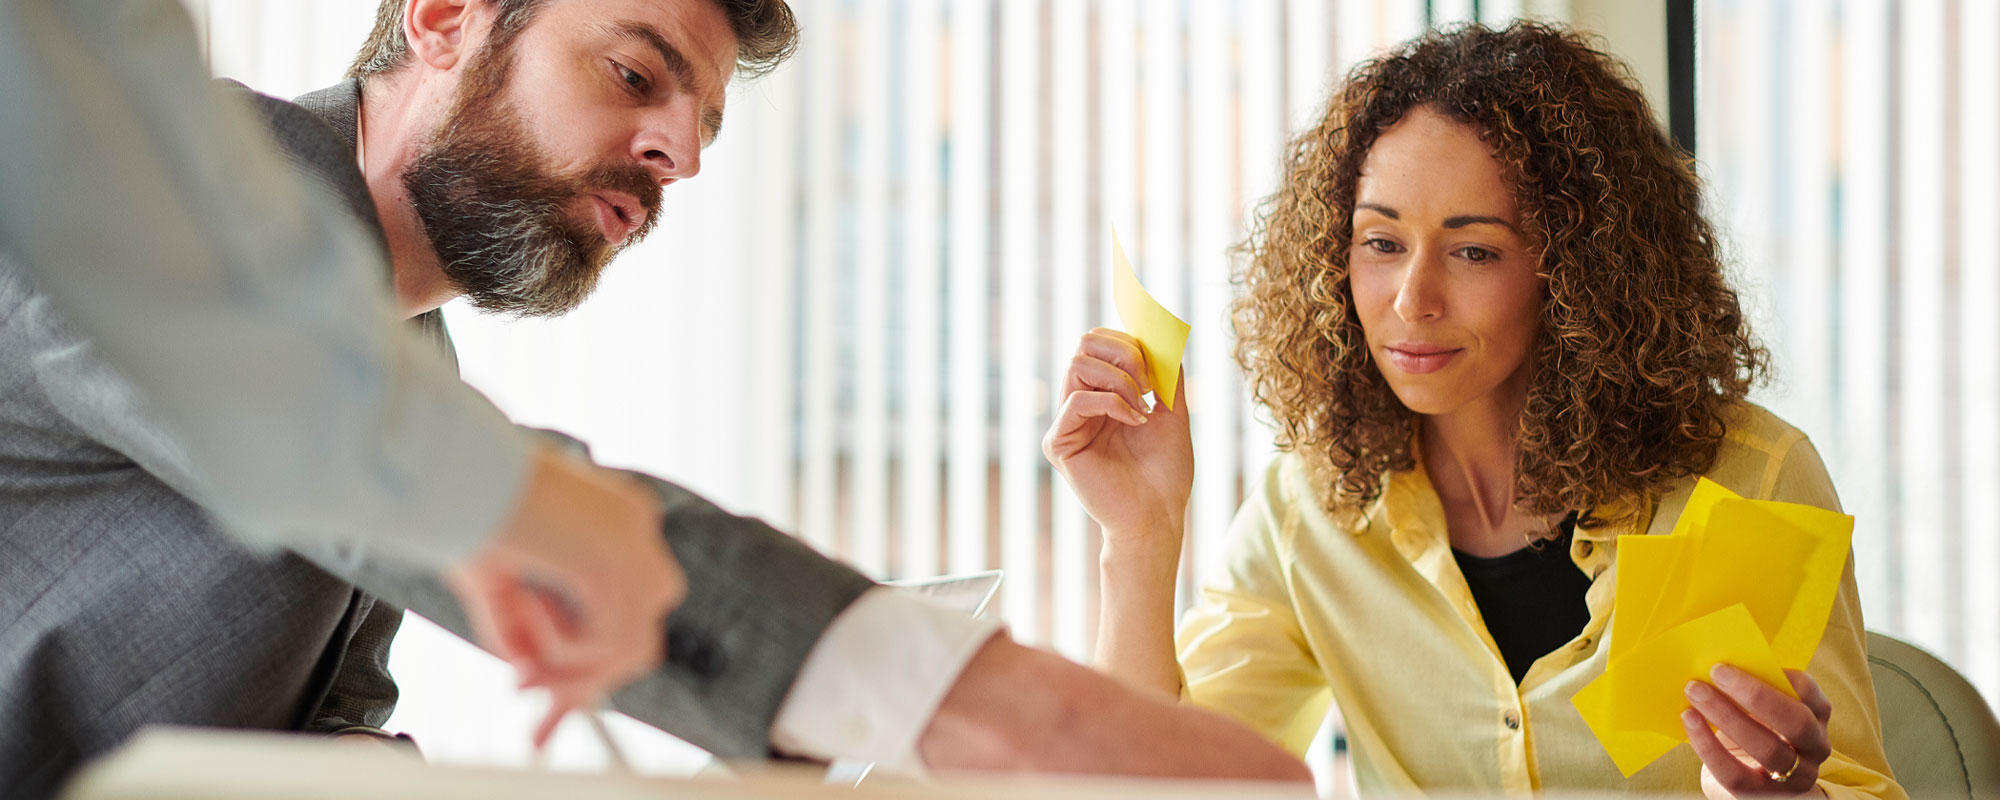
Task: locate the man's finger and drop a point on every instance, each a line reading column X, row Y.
column 558, row 709
column 473, row 597
column 547, row 727
column 559, row 638
column 493, row 600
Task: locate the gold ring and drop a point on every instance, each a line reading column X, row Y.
column 1781, row 777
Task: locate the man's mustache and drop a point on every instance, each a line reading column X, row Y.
column 630, row 179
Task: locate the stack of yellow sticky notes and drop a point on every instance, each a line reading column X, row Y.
column 1747, row 583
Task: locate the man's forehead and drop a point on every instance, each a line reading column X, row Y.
column 698, row 29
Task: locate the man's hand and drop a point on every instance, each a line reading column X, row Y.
column 575, row 588
column 1016, row 708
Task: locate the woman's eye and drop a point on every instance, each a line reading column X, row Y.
column 1478, row 255
column 1383, row 246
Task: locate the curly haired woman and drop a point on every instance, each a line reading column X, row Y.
column 1491, row 323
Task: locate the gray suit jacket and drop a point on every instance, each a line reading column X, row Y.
column 121, row 605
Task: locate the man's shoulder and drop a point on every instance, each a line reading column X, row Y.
column 310, row 135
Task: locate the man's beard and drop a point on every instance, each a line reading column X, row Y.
column 503, row 224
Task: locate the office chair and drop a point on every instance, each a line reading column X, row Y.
column 1941, row 737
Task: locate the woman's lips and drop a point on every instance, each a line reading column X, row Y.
column 1422, row 359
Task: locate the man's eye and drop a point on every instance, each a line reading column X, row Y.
column 632, row 80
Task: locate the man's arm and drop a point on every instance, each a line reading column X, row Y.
column 757, row 601
column 247, row 307
column 913, row 686
column 249, row 310
column 1015, row 708
column 759, row 610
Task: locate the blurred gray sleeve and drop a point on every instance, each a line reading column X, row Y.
column 247, row 308
column 758, row 601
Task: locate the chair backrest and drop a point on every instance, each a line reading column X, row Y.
column 1941, row 737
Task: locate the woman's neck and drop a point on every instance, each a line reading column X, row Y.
column 1470, row 455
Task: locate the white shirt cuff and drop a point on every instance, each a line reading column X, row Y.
column 872, row 683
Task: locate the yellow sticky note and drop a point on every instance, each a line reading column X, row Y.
column 1162, row 336
column 1646, row 566
column 1800, row 633
column 1701, row 502
column 1751, row 557
column 1630, row 750
column 1664, row 566
column 1742, row 582
column 1646, row 685
column 1784, row 561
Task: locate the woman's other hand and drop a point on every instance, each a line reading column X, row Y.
column 1755, row 740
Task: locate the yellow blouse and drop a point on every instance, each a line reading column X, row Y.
column 1377, row 618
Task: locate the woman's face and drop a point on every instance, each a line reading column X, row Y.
column 1444, row 281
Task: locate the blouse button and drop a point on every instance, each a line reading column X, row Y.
column 1513, row 721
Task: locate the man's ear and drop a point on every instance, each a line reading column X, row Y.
column 443, row 33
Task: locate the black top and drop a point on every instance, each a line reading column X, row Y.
column 1532, row 598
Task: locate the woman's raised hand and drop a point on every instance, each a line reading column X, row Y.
column 1131, row 466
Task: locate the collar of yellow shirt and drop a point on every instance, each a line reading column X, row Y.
column 1410, row 514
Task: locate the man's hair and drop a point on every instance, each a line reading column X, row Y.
column 766, row 34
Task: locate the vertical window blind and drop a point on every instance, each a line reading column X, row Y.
column 1850, row 153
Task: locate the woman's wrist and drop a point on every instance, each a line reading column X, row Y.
column 1135, row 637
column 1146, row 548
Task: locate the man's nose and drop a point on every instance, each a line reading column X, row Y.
column 670, row 145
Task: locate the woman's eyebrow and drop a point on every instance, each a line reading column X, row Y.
column 1452, row 223
column 1462, row 221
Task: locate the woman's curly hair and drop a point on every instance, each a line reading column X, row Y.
column 1643, row 349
